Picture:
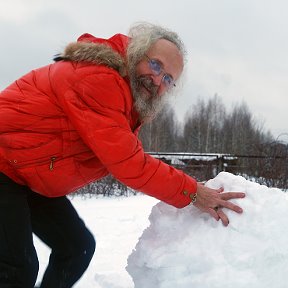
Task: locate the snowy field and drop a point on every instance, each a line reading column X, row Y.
column 116, row 223
column 164, row 247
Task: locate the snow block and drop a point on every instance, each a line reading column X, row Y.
column 186, row 248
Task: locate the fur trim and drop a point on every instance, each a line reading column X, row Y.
column 100, row 54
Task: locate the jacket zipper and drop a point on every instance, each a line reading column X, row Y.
column 52, row 160
column 49, row 161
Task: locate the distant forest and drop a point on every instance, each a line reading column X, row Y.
column 208, row 128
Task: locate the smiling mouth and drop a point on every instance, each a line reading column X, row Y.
column 147, row 91
column 148, row 85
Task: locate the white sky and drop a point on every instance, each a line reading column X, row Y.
column 237, row 48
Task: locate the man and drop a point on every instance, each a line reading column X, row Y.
column 76, row 121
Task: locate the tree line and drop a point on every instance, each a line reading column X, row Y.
column 208, row 128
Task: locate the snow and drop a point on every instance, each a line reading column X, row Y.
column 116, row 223
column 142, row 242
column 187, row 248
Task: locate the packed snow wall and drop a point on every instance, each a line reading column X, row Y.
column 186, row 248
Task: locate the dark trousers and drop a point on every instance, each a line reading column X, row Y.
column 56, row 223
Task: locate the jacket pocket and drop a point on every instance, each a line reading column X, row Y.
column 34, row 155
column 62, row 177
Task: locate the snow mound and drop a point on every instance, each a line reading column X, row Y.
column 186, row 248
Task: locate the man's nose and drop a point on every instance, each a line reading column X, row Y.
column 157, row 79
column 158, row 82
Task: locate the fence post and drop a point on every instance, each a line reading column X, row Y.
column 220, row 163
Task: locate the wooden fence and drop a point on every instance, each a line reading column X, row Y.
column 271, row 171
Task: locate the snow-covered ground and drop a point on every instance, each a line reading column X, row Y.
column 185, row 248
column 116, row 223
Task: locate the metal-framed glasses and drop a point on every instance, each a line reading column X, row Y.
column 156, row 68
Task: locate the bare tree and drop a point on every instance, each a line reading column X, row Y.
column 203, row 126
column 161, row 134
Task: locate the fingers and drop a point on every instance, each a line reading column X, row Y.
column 213, row 213
column 223, row 217
column 232, row 195
column 231, row 206
column 219, row 214
column 220, row 190
column 213, row 200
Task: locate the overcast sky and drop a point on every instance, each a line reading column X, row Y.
column 237, row 48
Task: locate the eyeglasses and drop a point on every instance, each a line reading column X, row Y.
column 156, row 68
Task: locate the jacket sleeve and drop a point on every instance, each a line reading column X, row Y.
column 97, row 107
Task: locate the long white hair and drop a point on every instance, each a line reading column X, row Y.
column 143, row 36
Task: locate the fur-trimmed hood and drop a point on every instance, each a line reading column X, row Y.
column 94, row 52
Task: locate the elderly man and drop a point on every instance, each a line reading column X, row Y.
column 76, row 121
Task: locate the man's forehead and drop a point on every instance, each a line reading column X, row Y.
column 164, row 45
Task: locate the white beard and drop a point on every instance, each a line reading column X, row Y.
column 147, row 102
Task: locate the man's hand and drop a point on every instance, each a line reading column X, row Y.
column 212, row 201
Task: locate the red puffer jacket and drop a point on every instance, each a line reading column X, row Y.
column 72, row 122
